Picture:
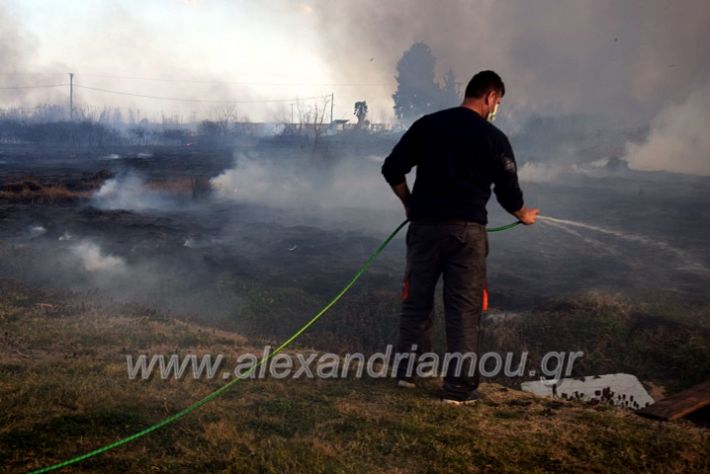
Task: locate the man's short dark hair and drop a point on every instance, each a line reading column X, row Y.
column 484, row 82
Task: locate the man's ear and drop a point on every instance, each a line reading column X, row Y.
column 489, row 98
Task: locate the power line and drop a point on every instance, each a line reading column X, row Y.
column 39, row 86
column 185, row 99
column 242, row 83
column 176, row 99
column 27, row 74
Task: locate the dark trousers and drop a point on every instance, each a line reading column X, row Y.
column 458, row 251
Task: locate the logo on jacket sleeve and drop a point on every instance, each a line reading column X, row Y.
column 508, row 164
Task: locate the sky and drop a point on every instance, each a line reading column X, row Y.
column 222, row 50
column 623, row 61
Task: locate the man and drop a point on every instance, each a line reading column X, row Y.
column 459, row 154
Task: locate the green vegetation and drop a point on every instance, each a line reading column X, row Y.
column 65, row 391
column 662, row 340
column 616, row 334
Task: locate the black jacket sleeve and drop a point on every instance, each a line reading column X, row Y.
column 506, row 188
column 404, row 156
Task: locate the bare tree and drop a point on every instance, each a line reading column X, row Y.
column 312, row 119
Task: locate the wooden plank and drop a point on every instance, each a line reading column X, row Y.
column 679, row 405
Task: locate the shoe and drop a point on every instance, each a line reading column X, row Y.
column 406, row 383
column 471, row 399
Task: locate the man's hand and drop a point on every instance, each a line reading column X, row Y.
column 402, row 192
column 527, row 215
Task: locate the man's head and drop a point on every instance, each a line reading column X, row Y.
column 483, row 94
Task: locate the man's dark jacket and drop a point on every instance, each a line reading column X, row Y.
column 458, row 155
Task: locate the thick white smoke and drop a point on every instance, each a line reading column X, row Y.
column 679, row 140
column 128, row 192
column 355, row 183
column 93, row 259
column 616, row 59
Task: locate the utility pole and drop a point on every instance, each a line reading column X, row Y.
column 332, row 98
column 71, row 96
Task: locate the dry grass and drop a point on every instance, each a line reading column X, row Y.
column 52, row 189
column 32, row 191
column 44, row 195
column 64, row 391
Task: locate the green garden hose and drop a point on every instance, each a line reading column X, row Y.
column 176, row 416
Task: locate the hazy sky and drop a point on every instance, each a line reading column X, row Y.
column 270, row 49
column 620, row 59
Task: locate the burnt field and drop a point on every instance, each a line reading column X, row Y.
column 256, row 240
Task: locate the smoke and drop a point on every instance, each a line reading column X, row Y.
column 617, row 59
column 603, row 57
column 553, row 171
column 622, row 62
column 93, row 259
column 679, row 139
column 37, row 231
column 532, row 172
column 15, row 47
column 256, row 181
column 349, row 193
column 18, row 48
column 140, row 48
column 354, row 182
column 129, row 192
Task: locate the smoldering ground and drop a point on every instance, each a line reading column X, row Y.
column 603, row 101
column 298, row 227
